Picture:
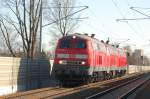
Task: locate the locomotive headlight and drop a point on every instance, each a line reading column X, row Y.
column 62, row 62
column 83, row 62
column 74, row 37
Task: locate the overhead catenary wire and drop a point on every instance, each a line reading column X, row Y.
column 103, row 31
column 133, row 8
column 85, row 7
column 142, row 8
column 137, row 11
column 136, row 20
column 138, row 25
column 130, row 26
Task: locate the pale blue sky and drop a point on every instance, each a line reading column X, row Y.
column 102, row 15
column 102, row 21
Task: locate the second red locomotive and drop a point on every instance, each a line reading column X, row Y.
column 79, row 57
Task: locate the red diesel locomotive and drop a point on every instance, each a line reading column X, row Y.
column 80, row 57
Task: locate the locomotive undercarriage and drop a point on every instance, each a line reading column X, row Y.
column 71, row 75
column 104, row 75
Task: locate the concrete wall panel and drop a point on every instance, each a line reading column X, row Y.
column 17, row 74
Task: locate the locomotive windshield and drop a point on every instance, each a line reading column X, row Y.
column 80, row 44
column 65, row 44
column 72, row 44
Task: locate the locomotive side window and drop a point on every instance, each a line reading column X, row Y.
column 65, row 44
column 114, row 51
column 103, row 49
column 95, row 46
column 98, row 47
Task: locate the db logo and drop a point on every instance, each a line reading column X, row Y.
column 72, row 56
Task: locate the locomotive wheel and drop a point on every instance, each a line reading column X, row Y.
column 108, row 76
column 111, row 74
column 100, row 76
column 95, row 77
column 89, row 80
column 104, row 75
column 114, row 74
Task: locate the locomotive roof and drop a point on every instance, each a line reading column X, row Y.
column 86, row 37
column 81, row 36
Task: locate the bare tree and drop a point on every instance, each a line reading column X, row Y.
column 25, row 22
column 6, row 33
column 60, row 14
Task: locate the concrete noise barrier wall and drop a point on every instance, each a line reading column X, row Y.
column 17, row 74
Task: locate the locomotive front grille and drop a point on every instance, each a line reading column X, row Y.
column 74, row 62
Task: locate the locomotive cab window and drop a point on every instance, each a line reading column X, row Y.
column 65, row 44
column 68, row 43
column 80, row 44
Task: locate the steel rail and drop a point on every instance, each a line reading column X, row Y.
column 112, row 89
column 15, row 95
column 133, row 90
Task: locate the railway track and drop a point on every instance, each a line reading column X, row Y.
column 85, row 88
column 29, row 93
column 123, row 90
column 133, row 90
column 57, row 92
